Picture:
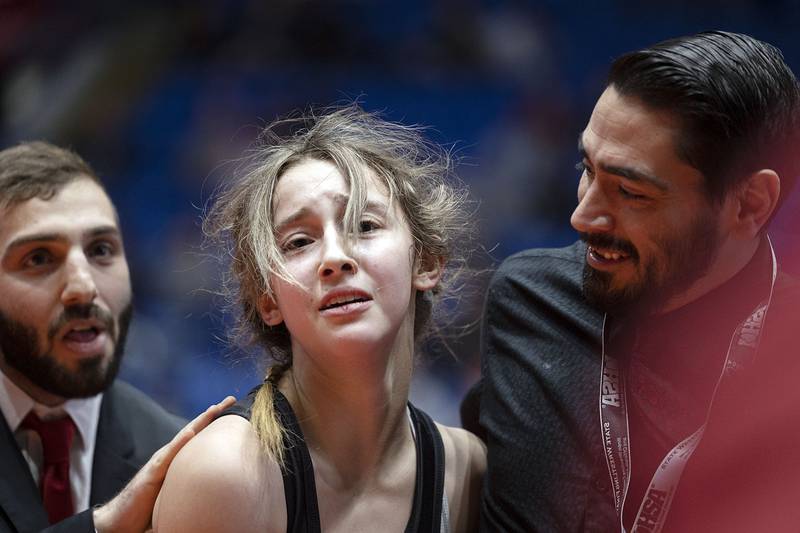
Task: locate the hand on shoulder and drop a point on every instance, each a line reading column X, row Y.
column 221, row 481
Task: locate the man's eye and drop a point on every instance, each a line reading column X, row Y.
column 37, row 258
column 631, row 195
column 582, row 167
column 102, row 249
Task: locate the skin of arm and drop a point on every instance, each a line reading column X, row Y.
column 222, row 481
column 465, row 465
column 130, row 510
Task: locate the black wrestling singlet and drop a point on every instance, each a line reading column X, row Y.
column 302, row 512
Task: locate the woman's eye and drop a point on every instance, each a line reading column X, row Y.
column 365, row 226
column 296, row 243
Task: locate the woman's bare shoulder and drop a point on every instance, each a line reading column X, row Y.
column 222, row 481
column 465, row 466
column 467, row 450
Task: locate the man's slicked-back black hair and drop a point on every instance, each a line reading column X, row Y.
column 737, row 102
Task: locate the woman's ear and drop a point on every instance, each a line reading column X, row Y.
column 268, row 309
column 427, row 272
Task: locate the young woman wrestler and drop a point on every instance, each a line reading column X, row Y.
column 339, row 238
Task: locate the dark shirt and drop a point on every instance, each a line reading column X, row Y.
column 673, row 362
column 539, row 405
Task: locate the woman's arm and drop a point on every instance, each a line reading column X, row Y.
column 221, row 481
column 465, row 465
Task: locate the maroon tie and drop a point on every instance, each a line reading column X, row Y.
column 56, row 438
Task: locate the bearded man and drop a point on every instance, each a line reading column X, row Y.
column 644, row 378
column 71, row 436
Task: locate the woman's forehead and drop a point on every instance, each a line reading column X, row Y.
column 312, row 180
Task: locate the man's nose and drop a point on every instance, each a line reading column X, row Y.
column 593, row 213
column 79, row 283
column 337, row 257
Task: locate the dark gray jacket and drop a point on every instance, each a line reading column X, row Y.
column 131, row 428
column 539, row 411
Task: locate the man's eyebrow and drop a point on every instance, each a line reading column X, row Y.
column 636, row 175
column 36, row 237
column 626, row 172
column 103, row 230
column 55, row 237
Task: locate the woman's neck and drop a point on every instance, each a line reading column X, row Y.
column 352, row 409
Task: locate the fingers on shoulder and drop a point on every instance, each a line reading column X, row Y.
column 211, row 479
column 208, row 416
column 228, row 448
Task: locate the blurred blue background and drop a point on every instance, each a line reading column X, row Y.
column 160, row 97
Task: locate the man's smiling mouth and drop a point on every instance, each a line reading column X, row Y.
column 609, row 255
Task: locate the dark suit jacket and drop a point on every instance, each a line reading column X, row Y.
column 131, row 428
column 538, row 398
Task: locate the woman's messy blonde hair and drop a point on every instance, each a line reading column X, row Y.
column 417, row 175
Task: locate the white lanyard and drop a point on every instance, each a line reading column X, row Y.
column 653, row 510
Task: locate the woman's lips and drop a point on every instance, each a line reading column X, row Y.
column 347, row 308
column 343, row 297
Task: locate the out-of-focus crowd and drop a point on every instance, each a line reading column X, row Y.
column 162, row 97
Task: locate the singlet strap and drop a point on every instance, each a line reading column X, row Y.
column 426, row 512
column 299, row 489
column 242, row 407
column 302, row 511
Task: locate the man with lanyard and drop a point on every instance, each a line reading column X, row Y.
column 70, row 437
column 644, row 379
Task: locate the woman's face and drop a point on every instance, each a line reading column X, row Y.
column 349, row 295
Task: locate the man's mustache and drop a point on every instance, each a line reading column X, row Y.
column 81, row 312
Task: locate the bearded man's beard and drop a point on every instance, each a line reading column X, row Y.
column 689, row 256
column 22, row 351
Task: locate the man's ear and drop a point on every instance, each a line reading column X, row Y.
column 427, row 272
column 756, row 200
column 268, row 309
